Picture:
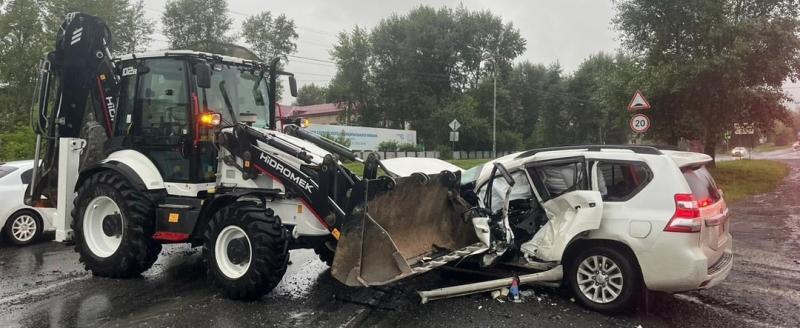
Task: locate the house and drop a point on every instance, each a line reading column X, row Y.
column 316, row 114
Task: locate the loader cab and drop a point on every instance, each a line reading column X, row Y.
column 164, row 113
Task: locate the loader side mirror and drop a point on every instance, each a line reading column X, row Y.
column 202, row 72
column 293, row 85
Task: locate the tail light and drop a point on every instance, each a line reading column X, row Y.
column 687, row 215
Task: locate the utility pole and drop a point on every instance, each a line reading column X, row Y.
column 494, row 113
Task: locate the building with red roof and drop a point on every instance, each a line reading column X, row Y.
column 317, row 114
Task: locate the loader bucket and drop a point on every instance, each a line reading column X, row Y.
column 400, row 227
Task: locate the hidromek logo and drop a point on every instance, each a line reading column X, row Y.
column 288, row 173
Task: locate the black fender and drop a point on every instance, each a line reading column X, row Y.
column 221, row 200
column 118, row 167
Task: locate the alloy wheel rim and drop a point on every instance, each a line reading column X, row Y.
column 600, row 279
column 23, row 228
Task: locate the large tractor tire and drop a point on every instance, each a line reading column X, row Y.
column 246, row 250
column 326, row 251
column 113, row 225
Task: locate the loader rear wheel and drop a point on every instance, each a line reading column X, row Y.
column 246, row 250
column 113, row 225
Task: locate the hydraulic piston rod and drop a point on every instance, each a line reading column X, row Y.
column 552, row 275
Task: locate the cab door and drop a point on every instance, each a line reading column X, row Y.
column 155, row 116
column 562, row 187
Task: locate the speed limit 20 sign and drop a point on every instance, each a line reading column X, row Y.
column 640, row 123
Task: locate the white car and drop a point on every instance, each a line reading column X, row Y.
column 21, row 224
column 618, row 218
column 739, row 152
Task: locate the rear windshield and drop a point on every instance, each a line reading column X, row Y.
column 703, row 186
column 5, row 170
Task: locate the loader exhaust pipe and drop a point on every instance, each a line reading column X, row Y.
column 554, row 274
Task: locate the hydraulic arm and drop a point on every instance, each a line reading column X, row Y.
column 77, row 84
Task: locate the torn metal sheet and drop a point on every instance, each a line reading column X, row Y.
column 568, row 215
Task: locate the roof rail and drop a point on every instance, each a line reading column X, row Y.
column 639, row 149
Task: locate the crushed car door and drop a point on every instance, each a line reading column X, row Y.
column 562, row 187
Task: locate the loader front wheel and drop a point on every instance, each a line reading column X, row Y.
column 326, row 251
column 246, row 250
column 113, row 226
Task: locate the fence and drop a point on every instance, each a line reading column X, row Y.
column 433, row 154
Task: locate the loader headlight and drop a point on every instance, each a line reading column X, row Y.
column 210, row 119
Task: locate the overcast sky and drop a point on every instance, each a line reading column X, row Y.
column 564, row 31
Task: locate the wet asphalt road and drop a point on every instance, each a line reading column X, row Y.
column 43, row 285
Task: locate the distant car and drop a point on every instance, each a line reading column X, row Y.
column 739, row 152
column 21, row 224
column 796, row 146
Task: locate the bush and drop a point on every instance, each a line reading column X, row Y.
column 340, row 139
column 445, row 152
column 17, row 144
column 409, row 147
column 390, row 145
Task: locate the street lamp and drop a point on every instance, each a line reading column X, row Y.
column 493, row 56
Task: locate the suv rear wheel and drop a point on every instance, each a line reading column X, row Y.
column 603, row 279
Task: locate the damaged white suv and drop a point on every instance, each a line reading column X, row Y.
column 617, row 218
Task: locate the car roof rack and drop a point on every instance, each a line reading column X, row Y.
column 639, row 149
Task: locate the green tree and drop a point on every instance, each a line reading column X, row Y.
column 312, row 94
column 270, row 37
column 130, row 27
column 710, row 63
column 201, row 25
column 22, row 44
column 136, row 31
column 352, row 86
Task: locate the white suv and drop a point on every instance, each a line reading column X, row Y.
column 618, row 218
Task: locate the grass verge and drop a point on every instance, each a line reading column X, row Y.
column 739, row 179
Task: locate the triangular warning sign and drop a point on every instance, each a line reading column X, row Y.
column 638, row 102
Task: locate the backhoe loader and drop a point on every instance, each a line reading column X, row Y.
column 181, row 146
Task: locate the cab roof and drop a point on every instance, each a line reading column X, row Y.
column 189, row 53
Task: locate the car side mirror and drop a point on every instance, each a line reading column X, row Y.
column 202, row 72
column 293, row 85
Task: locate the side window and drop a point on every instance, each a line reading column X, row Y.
column 559, row 178
column 520, row 190
column 26, row 176
column 617, row 181
column 124, row 120
column 164, row 101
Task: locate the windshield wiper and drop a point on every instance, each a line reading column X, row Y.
column 227, row 100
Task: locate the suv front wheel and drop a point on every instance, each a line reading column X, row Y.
column 603, row 279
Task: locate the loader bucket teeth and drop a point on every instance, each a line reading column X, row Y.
column 398, row 229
